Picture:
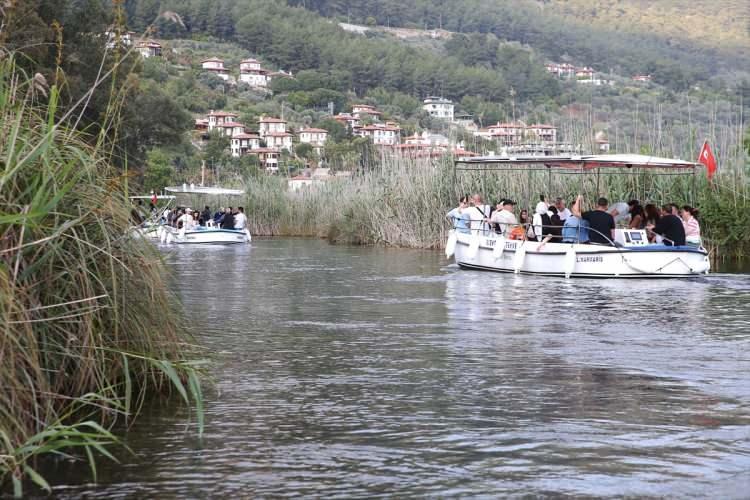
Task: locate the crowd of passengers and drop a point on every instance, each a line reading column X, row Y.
column 670, row 225
column 224, row 218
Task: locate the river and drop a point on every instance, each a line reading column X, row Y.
column 360, row 372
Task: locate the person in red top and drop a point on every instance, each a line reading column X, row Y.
column 688, row 215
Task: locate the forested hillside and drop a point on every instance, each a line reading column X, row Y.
column 578, row 30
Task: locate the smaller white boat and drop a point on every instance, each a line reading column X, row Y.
column 205, row 235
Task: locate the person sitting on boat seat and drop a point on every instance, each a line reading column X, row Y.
column 505, row 218
column 542, row 221
column 669, row 227
column 240, row 220
column 205, row 216
column 218, row 216
column 227, row 222
column 185, row 220
column 562, row 211
column 692, row 228
column 459, row 216
column 601, row 223
column 575, row 229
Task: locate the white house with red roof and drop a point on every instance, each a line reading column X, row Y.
column 314, row 136
column 360, row 111
column 244, row 143
column 278, row 140
column 348, row 120
column 148, row 48
column 542, row 133
column 231, row 128
column 381, row 135
column 252, row 74
column 270, row 125
column 439, row 107
column 216, row 66
column 507, row 133
column 216, row 118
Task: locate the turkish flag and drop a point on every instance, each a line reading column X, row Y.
column 706, row 157
column 154, row 198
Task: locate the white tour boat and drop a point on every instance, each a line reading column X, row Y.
column 200, row 234
column 630, row 255
column 149, row 228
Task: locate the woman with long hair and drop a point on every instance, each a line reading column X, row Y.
column 689, row 216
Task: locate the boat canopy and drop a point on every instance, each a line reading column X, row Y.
column 150, row 196
column 192, row 189
column 579, row 163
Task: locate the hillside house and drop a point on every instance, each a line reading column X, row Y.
column 561, row 70
column 216, row 66
column 381, row 135
column 541, row 133
column 584, row 73
column 278, row 140
column 642, row 78
column 361, row 111
column 216, row 118
column 466, row 121
column 439, row 108
column 231, row 128
column 269, row 158
column 316, row 137
column 252, row 74
column 507, row 134
column 201, row 125
column 148, row 49
column 121, row 39
column 269, row 125
column 347, row 120
column 242, row 144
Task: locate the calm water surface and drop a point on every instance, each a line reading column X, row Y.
column 361, row 372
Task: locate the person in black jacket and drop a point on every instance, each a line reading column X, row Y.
column 228, row 221
column 669, row 227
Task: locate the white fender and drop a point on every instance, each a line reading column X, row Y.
column 450, row 246
column 497, row 252
column 519, row 258
column 163, row 235
column 570, row 261
column 170, row 238
column 182, row 231
column 249, row 237
column 473, row 246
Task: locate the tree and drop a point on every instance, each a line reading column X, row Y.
column 158, row 172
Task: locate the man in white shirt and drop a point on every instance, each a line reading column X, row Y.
column 562, row 211
column 186, row 220
column 240, row 220
column 505, row 218
column 478, row 213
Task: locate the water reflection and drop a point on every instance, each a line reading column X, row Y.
column 367, row 372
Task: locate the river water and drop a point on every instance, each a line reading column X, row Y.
column 361, row 372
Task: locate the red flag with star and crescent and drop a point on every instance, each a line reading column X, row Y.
column 706, row 157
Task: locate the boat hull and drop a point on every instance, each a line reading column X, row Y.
column 576, row 260
column 204, row 236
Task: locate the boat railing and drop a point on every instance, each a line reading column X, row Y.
column 486, row 230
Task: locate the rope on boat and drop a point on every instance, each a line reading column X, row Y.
column 630, row 265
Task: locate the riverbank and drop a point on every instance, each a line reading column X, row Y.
column 88, row 326
column 402, row 202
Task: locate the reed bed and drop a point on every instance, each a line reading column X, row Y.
column 88, row 327
column 402, row 201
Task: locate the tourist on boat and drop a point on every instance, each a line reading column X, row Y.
column 637, row 217
column 478, row 213
column 459, row 216
column 541, row 203
column 525, row 222
column 505, row 218
column 601, row 223
column 669, row 228
column 562, row 211
column 692, row 228
column 240, row 220
column 185, row 220
column 542, row 221
column 227, row 222
column 556, row 225
column 205, row 216
column 218, row 216
column 620, row 211
column 575, row 228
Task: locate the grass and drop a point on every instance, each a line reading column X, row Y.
column 88, row 327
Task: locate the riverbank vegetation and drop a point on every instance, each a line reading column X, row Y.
column 88, row 326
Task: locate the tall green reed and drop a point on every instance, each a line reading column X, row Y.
column 88, row 327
